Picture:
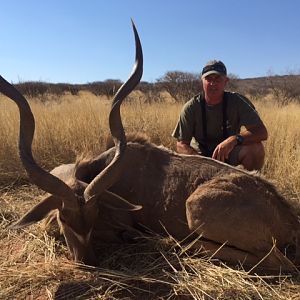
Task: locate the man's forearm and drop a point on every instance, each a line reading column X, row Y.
column 254, row 134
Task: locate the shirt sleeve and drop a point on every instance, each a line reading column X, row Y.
column 184, row 128
column 247, row 112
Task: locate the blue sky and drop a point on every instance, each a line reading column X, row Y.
column 84, row 41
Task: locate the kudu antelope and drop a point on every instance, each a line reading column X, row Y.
column 235, row 216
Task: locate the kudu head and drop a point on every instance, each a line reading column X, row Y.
column 76, row 201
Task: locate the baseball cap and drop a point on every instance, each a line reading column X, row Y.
column 214, row 67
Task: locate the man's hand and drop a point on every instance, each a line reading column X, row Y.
column 184, row 147
column 223, row 149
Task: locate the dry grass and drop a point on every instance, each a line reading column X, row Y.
column 35, row 266
column 283, row 146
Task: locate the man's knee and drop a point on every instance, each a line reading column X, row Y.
column 258, row 151
column 252, row 156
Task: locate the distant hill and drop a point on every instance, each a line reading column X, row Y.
column 284, row 88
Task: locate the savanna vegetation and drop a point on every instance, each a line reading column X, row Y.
column 34, row 265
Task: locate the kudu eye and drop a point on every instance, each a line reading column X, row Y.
column 62, row 219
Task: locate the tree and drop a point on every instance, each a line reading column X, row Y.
column 182, row 86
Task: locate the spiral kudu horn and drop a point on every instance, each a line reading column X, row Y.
column 43, row 179
column 111, row 173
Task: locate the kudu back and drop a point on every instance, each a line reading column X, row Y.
column 231, row 214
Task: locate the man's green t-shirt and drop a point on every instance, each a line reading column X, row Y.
column 239, row 111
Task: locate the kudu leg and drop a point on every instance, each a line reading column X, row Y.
column 272, row 262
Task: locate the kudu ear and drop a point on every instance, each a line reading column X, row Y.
column 116, row 202
column 38, row 212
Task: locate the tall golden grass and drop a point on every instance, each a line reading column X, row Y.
column 35, row 266
column 282, row 162
column 72, row 125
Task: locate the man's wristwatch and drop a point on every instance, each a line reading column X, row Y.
column 239, row 139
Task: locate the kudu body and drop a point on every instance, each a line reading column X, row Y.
column 236, row 216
